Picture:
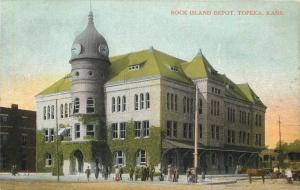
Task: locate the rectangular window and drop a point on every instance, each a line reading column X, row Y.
column 66, row 110
column 3, row 139
column 137, row 129
column 52, row 112
column 146, row 129
column 218, row 108
column 175, row 129
column 168, row 101
column 172, row 101
column 48, row 112
column 200, row 106
column 188, row 105
column 212, row 131
column 229, row 136
column 244, row 137
column 192, row 105
column 147, row 100
column 46, row 136
column 233, row 115
column 169, row 126
column 24, row 139
column 240, row 137
column 77, row 130
column 248, row 138
column 184, row 104
column 248, row 119
column 118, row 104
column 113, row 104
column 45, row 113
column 122, row 130
column 190, row 130
column 185, row 130
column 142, row 101
column 175, row 98
column 233, row 136
column 212, row 107
column 256, row 119
column 90, row 130
column 136, row 102
column 114, row 130
column 217, row 132
column 76, row 105
column 124, row 103
column 61, row 111
column 90, row 105
column 200, row 131
column 52, row 135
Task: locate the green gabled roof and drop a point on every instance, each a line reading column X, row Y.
column 61, row 85
column 153, row 63
column 249, row 93
column 199, row 67
column 232, row 90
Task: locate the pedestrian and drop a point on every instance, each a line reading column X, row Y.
column 289, row 175
column 97, row 170
column 117, row 173
column 106, row 173
column 174, row 174
column 147, row 173
column 161, row 176
column 121, row 172
column 151, row 172
column 136, row 173
column 187, row 174
column 131, row 171
column 169, row 173
column 88, row 173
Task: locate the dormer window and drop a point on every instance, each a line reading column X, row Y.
column 134, row 67
column 174, row 68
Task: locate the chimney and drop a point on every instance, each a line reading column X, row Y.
column 14, row 106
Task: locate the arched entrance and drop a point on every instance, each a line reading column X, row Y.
column 78, row 165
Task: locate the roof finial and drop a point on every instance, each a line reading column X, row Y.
column 199, row 52
column 91, row 19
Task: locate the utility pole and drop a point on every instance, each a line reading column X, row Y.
column 196, row 136
column 280, row 151
column 57, row 154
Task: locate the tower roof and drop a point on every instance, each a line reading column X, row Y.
column 89, row 43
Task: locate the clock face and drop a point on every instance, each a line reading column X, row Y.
column 103, row 50
column 76, row 49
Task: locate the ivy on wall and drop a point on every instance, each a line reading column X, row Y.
column 131, row 145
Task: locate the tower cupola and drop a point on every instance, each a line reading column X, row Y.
column 90, row 43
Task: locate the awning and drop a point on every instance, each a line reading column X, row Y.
column 63, row 131
column 175, row 144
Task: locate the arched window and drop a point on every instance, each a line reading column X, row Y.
column 120, row 159
column 142, row 101
column 48, row 112
column 113, row 104
column 118, row 104
column 141, row 158
column 61, row 110
column 52, row 112
column 66, row 110
column 45, row 113
column 90, row 105
column 168, row 101
column 124, row 103
column 147, row 100
column 48, row 160
column 76, row 105
column 136, row 102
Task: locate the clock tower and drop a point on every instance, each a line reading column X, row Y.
column 90, row 63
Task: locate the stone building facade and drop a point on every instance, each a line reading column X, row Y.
column 17, row 139
column 139, row 109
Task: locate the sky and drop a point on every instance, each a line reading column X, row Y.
column 262, row 50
